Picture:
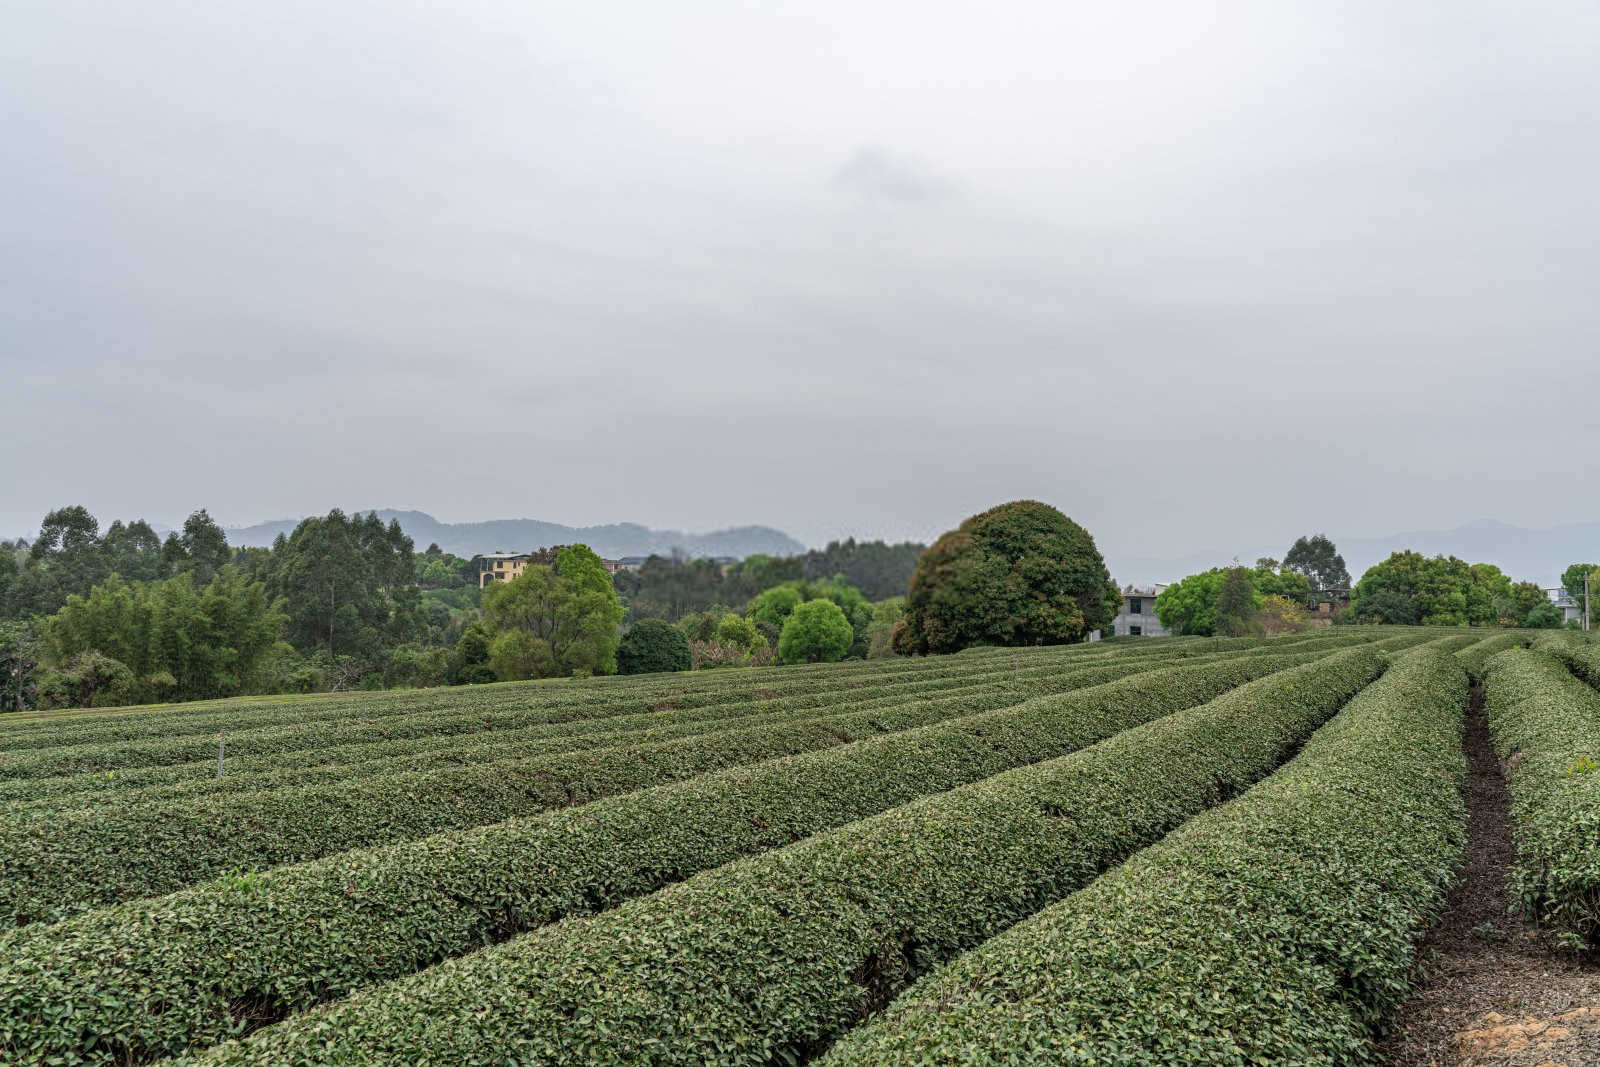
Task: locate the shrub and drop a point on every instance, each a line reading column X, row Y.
column 74, row 860
column 1546, row 723
column 322, row 929
column 707, row 655
column 1278, row 928
column 652, row 645
column 767, row 959
column 1279, row 615
column 815, row 632
column 740, row 632
column 1018, row 574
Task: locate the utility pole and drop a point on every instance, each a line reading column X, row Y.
column 1586, row 603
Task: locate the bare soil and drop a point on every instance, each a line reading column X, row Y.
column 1492, row 989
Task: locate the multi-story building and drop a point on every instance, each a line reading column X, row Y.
column 504, row 566
column 1136, row 616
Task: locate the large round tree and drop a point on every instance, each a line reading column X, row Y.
column 1019, row 574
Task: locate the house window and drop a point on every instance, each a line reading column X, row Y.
column 1135, row 631
column 1135, row 606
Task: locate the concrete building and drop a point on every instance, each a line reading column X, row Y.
column 1571, row 605
column 1136, row 616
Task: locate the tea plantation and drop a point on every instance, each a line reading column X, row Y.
column 1161, row 850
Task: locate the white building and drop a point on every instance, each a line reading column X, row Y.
column 1571, row 606
column 1136, row 616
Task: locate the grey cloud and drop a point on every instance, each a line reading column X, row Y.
column 1202, row 276
column 877, row 173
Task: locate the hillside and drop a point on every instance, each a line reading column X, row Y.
column 520, row 535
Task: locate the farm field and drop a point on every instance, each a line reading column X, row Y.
column 1184, row 850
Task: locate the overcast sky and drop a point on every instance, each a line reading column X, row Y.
column 1198, row 274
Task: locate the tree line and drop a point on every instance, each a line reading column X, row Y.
column 1405, row 589
column 92, row 616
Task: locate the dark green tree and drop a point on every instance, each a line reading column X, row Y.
column 205, row 548
column 1543, row 616
column 70, row 552
column 1410, row 588
column 1019, row 574
column 650, row 646
column 876, row 568
column 176, row 641
column 134, row 551
column 1318, row 559
column 348, row 586
column 1237, row 601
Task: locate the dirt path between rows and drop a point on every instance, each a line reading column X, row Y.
column 1493, row 990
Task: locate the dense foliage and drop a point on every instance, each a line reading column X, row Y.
column 175, row 641
column 1319, row 561
column 188, row 959
column 553, row 621
column 671, row 588
column 652, row 645
column 1018, row 574
column 1229, row 601
column 1278, row 928
column 816, row 631
column 1545, row 722
column 1410, row 589
column 767, row 959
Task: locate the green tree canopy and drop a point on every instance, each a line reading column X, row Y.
column 205, row 547
column 69, row 556
column 652, row 645
column 177, row 642
column 1237, row 602
column 738, row 632
column 1545, row 616
column 815, row 632
column 1409, row 588
column 1318, row 559
column 771, row 608
column 1018, row 574
column 348, row 585
column 553, row 621
column 134, row 551
column 1190, row 606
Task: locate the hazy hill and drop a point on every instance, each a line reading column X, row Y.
column 1537, row 555
column 522, row 535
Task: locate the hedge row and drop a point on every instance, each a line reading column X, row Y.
column 465, row 717
column 1581, row 657
column 1475, row 658
column 1546, row 727
column 563, row 699
column 1279, row 928
column 333, row 762
column 768, row 959
column 345, row 762
column 154, row 977
column 57, row 863
column 308, row 711
column 242, row 713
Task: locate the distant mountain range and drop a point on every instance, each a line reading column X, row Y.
column 523, row 535
column 1534, row 555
